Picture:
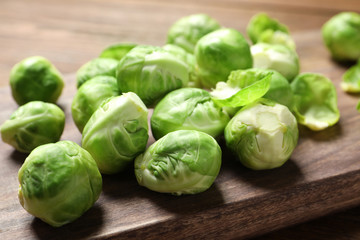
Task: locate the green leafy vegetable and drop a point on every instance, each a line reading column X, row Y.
column 59, row 182
column 181, row 162
column 262, row 134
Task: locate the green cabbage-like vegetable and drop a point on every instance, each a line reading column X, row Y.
column 188, row 108
column 351, row 79
column 59, row 182
column 277, row 37
column 341, row 35
column 117, row 132
column 246, row 86
column 262, row 134
column 151, row 72
column 117, row 51
column 315, row 101
column 96, row 67
column 181, row 162
column 261, row 23
column 220, row 52
column 35, row 79
column 33, row 124
column 90, row 96
column 188, row 30
column 276, row 57
column 188, row 58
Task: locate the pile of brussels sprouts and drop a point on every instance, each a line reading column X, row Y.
column 206, row 84
column 342, row 37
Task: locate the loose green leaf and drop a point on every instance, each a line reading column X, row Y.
column 315, row 101
column 251, row 87
column 351, row 79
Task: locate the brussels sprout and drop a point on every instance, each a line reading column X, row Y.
column 188, row 30
column 276, row 57
column 315, row 101
column 341, row 35
column 181, row 162
column 220, row 52
column 151, row 72
column 262, row 134
column 117, row 132
column 96, row 67
column 277, row 37
column 33, row 124
column 351, row 79
column 188, row 109
column 188, row 58
column 117, row 51
column 246, row 86
column 35, row 78
column 59, row 182
column 261, row 23
column 90, row 96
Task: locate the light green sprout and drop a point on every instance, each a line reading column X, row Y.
column 96, row 67
column 188, row 108
column 351, row 79
column 117, row 51
column 90, row 96
column 262, row 134
column 276, row 57
column 341, row 35
column 188, row 30
column 315, row 101
column 35, row 79
column 33, row 124
column 220, row 52
column 59, row 182
column 117, row 132
column 151, row 72
column 262, row 28
column 181, row 162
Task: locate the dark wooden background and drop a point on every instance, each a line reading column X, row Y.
column 321, row 181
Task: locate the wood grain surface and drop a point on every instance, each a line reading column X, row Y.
column 321, row 178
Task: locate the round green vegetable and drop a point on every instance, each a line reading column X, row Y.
column 90, row 96
column 276, row 57
column 261, row 23
column 188, row 108
column 96, row 67
column 220, row 52
column 188, row 30
column 117, row 132
column 59, row 182
column 341, row 35
column 151, row 72
column 315, row 101
column 35, row 78
column 117, row 51
column 263, row 135
column 33, row 124
column 181, row 162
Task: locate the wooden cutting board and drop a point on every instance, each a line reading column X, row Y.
column 322, row 176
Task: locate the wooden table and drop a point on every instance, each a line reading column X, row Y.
column 321, row 178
